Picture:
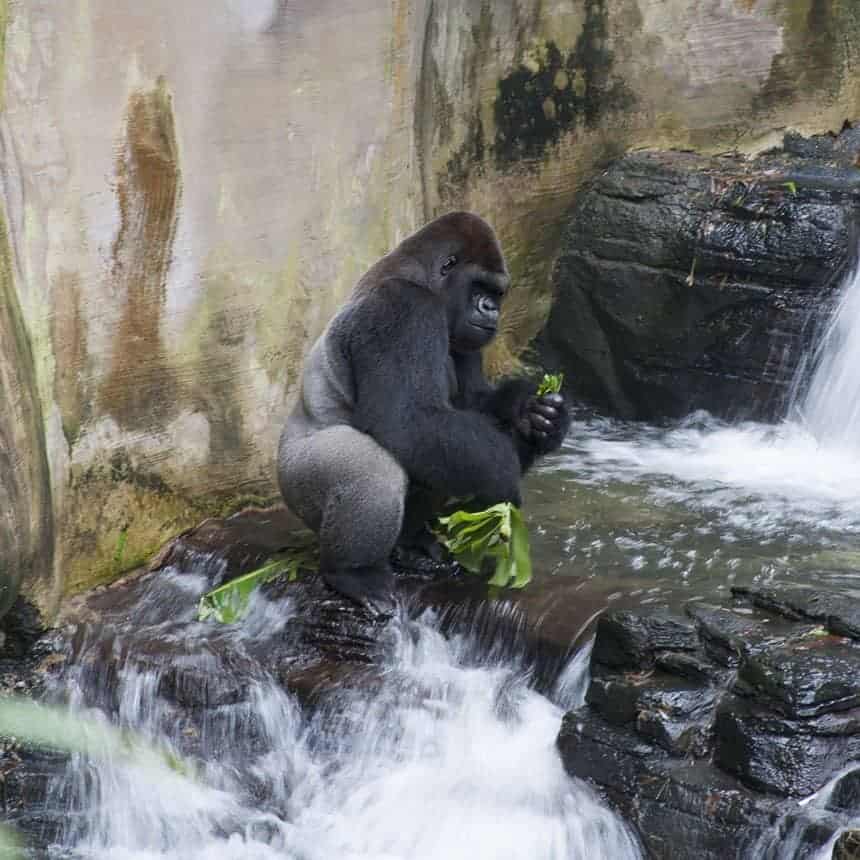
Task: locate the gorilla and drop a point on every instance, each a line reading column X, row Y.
column 395, row 416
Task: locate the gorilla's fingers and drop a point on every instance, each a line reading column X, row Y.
column 547, row 411
column 551, row 399
column 541, row 424
column 524, row 425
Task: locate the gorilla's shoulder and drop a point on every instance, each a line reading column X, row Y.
column 394, row 298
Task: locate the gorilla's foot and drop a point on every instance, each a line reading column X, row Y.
column 369, row 587
column 415, row 561
column 424, row 555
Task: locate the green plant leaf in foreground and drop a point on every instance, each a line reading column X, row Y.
column 229, row 602
column 550, row 384
column 499, row 532
column 10, row 845
column 41, row 725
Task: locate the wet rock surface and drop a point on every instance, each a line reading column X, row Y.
column 709, row 729
column 687, row 282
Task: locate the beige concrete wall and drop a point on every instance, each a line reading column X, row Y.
column 190, row 188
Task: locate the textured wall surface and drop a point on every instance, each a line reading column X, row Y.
column 190, row 189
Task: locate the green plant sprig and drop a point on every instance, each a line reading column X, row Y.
column 550, row 384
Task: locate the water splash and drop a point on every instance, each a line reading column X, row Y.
column 443, row 754
column 831, row 409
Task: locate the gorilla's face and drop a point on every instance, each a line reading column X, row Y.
column 461, row 260
column 474, row 296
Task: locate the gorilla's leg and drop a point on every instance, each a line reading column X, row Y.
column 350, row 491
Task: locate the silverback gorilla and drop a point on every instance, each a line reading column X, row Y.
column 395, row 416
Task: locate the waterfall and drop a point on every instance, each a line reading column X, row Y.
column 449, row 753
column 831, row 408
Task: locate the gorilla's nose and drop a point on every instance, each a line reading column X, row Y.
column 488, row 307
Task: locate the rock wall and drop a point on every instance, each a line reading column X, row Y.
column 190, row 189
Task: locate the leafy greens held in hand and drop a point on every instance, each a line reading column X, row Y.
column 498, row 532
column 550, row 384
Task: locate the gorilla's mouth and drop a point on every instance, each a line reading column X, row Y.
column 491, row 329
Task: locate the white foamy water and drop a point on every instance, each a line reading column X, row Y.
column 831, row 410
column 758, row 477
column 448, row 755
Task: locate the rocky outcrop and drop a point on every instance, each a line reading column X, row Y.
column 707, row 730
column 690, row 283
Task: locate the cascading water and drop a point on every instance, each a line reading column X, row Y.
column 447, row 754
column 831, row 410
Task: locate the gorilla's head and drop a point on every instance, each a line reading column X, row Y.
column 463, row 263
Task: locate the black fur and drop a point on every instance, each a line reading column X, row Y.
column 401, row 363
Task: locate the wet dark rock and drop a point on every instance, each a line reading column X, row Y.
column 20, row 629
column 706, row 740
column 726, row 636
column 313, row 684
column 225, row 548
column 25, row 778
column 686, row 282
column 847, row 846
column 804, row 682
column 630, row 640
column 845, row 795
column 840, row 615
column 773, row 754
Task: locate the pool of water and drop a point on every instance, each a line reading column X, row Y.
column 686, row 511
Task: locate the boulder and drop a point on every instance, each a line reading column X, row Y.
column 687, row 282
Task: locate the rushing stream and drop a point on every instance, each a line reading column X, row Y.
column 451, row 753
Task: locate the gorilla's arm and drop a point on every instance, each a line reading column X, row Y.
column 398, row 350
column 537, row 425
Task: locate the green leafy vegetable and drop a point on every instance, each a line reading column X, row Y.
column 791, row 186
column 229, row 602
column 499, row 532
column 550, row 384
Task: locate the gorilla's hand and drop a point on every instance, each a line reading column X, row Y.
column 537, row 423
column 544, row 421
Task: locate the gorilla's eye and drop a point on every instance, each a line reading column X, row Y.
column 448, row 265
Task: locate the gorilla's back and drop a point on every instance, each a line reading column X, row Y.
column 327, row 395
